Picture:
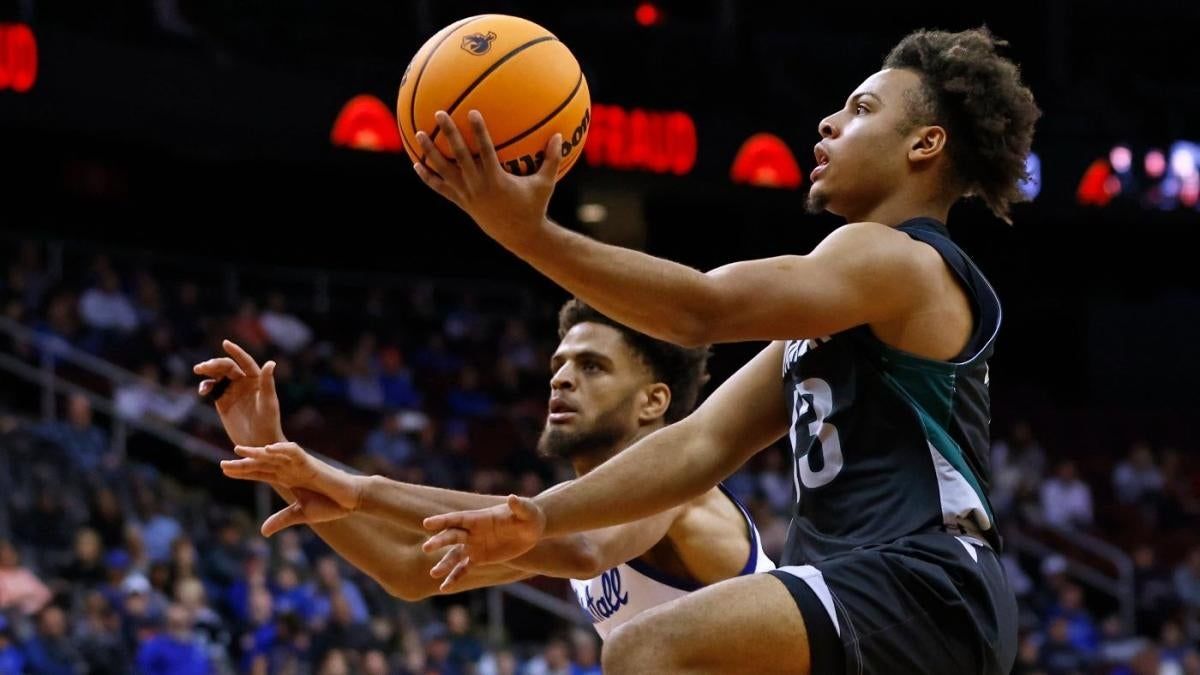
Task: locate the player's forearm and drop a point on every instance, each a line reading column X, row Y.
column 658, row 297
column 407, row 505
column 386, row 552
column 665, row 469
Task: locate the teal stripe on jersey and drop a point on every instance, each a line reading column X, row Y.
column 929, row 387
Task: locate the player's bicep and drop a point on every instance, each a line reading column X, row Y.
column 862, row 273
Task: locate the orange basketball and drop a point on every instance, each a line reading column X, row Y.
column 524, row 81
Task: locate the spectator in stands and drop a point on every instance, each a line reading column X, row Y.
column 1059, row 655
column 363, row 386
column 1153, row 589
column 291, row 596
column 283, row 329
column 247, row 328
column 465, row 649
column 20, row 588
column 1028, row 656
column 85, row 444
column 28, row 280
column 1147, row 662
column 1066, row 500
column 144, row 604
column 106, row 309
column 774, row 482
column 222, row 561
column 1116, row 645
column 185, row 317
column 85, row 569
column 159, row 529
column 1137, row 480
column 1018, row 464
column 396, row 380
column 52, row 651
column 585, row 653
column 1187, row 580
column 147, row 399
column 389, row 446
column 1081, row 628
column 328, row 586
column 61, row 323
column 1172, row 646
column 175, row 650
column 190, row 595
column 12, row 658
column 44, row 525
column 554, row 660
column 100, row 639
column 436, row 639
column 1180, row 506
column 257, row 632
column 500, row 662
column 468, row 399
column 107, row 518
column 149, row 306
column 1191, row 663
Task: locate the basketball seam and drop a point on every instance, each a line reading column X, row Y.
column 412, row 104
column 562, row 106
column 483, row 76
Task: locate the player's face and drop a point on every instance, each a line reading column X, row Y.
column 595, row 381
column 863, row 153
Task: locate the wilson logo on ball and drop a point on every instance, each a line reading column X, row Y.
column 529, row 164
column 478, row 43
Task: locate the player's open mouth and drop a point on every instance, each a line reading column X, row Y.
column 560, row 411
column 822, row 158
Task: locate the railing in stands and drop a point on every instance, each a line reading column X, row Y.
column 1120, row 587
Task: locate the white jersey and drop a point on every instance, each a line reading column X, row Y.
column 623, row 592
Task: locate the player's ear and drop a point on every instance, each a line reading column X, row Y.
column 656, row 399
column 926, row 143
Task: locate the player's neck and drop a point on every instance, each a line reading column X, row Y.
column 585, row 463
column 900, row 207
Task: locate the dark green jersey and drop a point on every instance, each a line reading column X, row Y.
column 885, row 443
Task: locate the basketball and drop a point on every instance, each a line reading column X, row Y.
column 524, row 81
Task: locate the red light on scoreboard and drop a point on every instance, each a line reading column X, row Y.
column 764, row 160
column 18, row 57
column 641, row 140
column 647, row 14
column 365, row 123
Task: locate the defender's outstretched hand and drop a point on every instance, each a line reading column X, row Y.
column 249, row 407
column 323, row 493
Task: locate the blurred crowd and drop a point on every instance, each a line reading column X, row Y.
column 113, row 560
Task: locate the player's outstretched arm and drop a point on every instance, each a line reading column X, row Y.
column 323, row 494
column 848, row 280
column 663, row 470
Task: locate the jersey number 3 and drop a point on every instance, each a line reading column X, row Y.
column 811, row 404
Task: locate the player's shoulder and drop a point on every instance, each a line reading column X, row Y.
column 880, row 248
column 868, row 233
column 712, row 508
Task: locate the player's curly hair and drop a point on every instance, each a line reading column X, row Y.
column 683, row 370
column 978, row 96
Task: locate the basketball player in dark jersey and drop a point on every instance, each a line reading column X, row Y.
column 877, row 374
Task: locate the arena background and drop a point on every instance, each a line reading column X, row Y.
column 193, row 151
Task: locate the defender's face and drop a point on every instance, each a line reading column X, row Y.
column 863, row 151
column 595, row 378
